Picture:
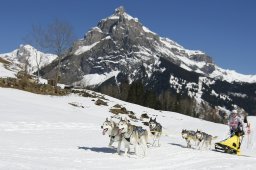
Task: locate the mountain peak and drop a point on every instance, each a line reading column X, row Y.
column 120, row 10
column 120, row 13
column 26, row 47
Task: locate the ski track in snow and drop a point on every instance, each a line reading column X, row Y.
column 44, row 132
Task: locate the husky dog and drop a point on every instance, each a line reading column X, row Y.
column 205, row 139
column 155, row 130
column 132, row 135
column 111, row 129
column 189, row 135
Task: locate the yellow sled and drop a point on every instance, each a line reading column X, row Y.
column 230, row 145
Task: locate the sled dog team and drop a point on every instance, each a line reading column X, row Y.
column 131, row 135
column 198, row 137
column 125, row 133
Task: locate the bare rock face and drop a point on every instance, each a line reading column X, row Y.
column 94, row 35
column 208, row 68
column 201, row 57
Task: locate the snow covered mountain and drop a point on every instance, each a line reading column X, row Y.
column 130, row 43
column 123, row 58
column 44, row 132
column 17, row 59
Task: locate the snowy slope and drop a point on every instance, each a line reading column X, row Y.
column 4, row 72
column 96, row 79
column 232, row 75
column 186, row 55
column 19, row 56
column 45, row 132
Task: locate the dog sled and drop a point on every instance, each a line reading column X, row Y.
column 231, row 145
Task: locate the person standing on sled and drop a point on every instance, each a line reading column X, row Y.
column 232, row 144
column 235, row 124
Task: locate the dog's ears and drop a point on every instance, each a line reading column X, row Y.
column 106, row 119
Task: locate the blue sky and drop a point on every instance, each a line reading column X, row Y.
column 224, row 29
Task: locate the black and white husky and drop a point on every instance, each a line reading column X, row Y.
column 132, row 135
column 109, row 127
column 189, row 135
column 205, row 139
column 155, row 130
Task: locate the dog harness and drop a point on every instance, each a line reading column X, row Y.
column 157, row 128
column 138, row 129
column 200, row 139
column 129, row 138
column 112, row 137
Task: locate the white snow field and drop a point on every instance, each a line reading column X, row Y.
column 40, row 132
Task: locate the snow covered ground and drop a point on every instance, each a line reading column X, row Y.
column 45, row 132
column 5, row 72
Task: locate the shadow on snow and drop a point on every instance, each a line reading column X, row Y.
column 176, row 144
column 98, row 149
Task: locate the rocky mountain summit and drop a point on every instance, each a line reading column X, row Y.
column 121, row 43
